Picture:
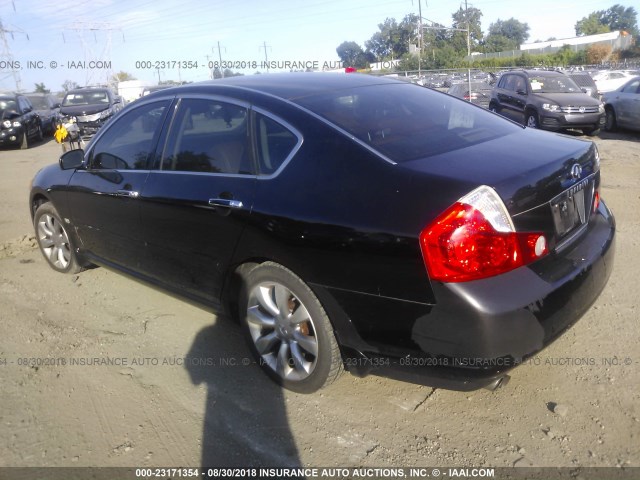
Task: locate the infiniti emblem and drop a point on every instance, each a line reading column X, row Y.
column 576, row 171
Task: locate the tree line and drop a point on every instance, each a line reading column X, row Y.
column 441, row 45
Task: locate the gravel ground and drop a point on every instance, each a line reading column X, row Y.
column 160, row 404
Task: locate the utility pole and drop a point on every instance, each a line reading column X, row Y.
column 466, row 14
column 266, row 60
column 220, row 57
column 419, row 38
column 82, row 28
column 6, row 53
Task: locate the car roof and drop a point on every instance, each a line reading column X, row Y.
column 290, row 86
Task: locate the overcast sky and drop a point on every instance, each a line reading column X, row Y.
column 128, row 31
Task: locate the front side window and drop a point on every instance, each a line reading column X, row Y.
column 632, row 87
column 208, row 136
column 128, row 142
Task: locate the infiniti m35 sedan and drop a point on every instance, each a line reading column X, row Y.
column 348, row 222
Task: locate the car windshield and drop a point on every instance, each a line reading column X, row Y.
column 85, row 98
column 39, row 103
column 548, row 84
column 405, row 122
column 8, row 103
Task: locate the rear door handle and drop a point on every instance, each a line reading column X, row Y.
column 127, row 193
column 225, row 202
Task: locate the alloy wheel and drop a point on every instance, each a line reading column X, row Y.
column 54, row 241
column 282, row 331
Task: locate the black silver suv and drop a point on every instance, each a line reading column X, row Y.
column 548, row 100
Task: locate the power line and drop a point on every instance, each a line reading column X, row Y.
column 6, row 52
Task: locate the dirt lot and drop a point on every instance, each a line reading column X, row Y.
column 577, row 404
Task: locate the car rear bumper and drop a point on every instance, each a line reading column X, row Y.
column 477, row 331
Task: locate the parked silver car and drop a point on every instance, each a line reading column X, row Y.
column 622, row 106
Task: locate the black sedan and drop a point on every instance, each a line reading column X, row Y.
column 348, row 222
column 48, row 109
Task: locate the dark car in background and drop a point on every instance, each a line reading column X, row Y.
column 48, row 109
column 91, row 106
column 480, row 92
column 622, row 106
column 347, row 221
column 585, row 82
column 548, row 100
column 19, row 122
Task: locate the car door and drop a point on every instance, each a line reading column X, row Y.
column 29, row 117
column 510, row 100
column 628, row 104
column 196, row 203
column 104, row 196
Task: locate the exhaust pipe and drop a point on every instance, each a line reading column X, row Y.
column 498, row 383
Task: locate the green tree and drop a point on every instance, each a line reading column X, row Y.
column 393, row 38
column 621, row 18
column 461, row 19
column 352, row 55
column 612, row 19
column 40, row 88
column 591, row 25
column 499, row 43
column 122, row 76
column 512, row 29
column 69, row 85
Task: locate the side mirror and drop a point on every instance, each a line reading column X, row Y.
column 72, row 159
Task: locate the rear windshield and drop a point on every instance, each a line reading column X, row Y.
column 406, row 122
column 39, row 103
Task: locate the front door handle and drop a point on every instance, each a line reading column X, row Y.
column 225, row 202
column 127, row 193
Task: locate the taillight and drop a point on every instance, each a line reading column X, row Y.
column 596, row 200
column 475, row 238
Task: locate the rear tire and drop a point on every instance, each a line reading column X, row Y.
column 55, row 243
column 287, row 329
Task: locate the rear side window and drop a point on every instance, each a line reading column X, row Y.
column 405, row 122
column 208, row 136
column 275, row 143
column 129, row 142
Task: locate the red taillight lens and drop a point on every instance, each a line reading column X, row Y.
column 596, row 201
column 475, row 240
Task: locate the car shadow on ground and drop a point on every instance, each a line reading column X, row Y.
column 620, row 134
column 245, row 422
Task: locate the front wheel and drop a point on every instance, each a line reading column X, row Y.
column 610, row 122
column 532, row 120
column 54, row 241
column 288, row 330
